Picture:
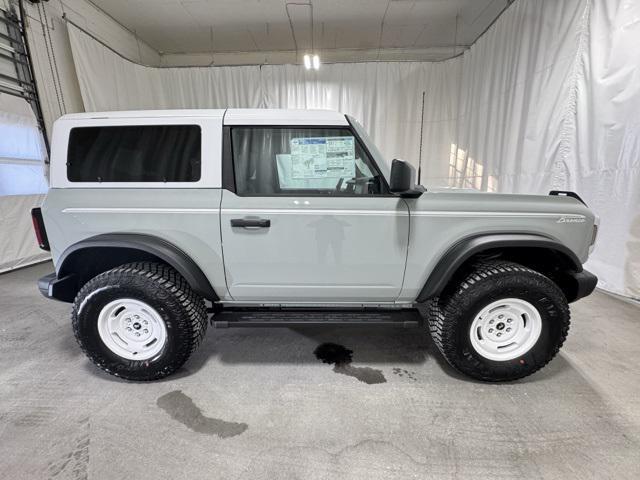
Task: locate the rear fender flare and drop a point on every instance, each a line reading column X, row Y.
column 149, row 247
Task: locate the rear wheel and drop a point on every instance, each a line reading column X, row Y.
column 502, row 322
column 139, row 321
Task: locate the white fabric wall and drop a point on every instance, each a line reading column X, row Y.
column 515, row 99
column 546, row 99
column 603, row 147
column 108, row 82
column 385, row 97
column 22, row 182
column 51, row 52
column 368, row 91
column 18, row 245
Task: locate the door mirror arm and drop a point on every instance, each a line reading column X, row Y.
column 412, row 193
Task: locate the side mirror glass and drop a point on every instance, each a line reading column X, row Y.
column 402, row 181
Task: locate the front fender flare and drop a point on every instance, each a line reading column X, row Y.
column 467, row 247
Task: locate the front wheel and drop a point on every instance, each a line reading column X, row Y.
column 502, row 322
column 139, row 321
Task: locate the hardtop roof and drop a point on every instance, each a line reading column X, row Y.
column 232, row 116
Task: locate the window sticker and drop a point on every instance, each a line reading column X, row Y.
column 286, row 178
column 323, row 157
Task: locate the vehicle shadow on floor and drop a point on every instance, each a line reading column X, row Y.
column 375, row 346
column 296, row 345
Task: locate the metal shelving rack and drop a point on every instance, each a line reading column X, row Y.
column 16, row 71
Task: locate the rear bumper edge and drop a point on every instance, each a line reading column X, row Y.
column 63, row 289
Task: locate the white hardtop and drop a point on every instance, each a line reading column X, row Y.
column 232, row 116
column 210, row 121
column 212, row 113
column 275, row 116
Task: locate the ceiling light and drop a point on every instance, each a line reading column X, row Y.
column 307, row 61
column 316, row 62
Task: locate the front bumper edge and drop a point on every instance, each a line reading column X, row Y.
column 583, row 284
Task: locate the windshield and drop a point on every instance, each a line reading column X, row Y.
column 373, row 149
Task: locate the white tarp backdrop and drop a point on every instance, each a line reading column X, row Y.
column 546, row 99
column 22, row 182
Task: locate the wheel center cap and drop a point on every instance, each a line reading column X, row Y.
column 137, row 326
column 500, row 326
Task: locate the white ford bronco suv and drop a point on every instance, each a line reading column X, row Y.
column 157, row 219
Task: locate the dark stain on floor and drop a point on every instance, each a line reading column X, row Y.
column 333, row 354
column 401, row 372
column 341, row 357
column 181, row 408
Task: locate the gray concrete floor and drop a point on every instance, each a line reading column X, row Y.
column 257, row 404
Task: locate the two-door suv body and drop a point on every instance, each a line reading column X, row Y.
column 287, row 216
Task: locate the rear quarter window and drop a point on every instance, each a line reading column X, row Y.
column 144, row 153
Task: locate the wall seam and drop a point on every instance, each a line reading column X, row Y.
column 560, row 176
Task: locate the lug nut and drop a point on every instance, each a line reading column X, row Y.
column 147, row 331
column 509, row 320
column 508, row 329
column 145, row 322
column 137, row 334
column 129, row 329
column 491, row 330
column 499, row 334
column 136, row 317
column 500, row 316
column 490, row 321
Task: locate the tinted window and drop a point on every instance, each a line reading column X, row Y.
column 150, row 153
column 320, row 161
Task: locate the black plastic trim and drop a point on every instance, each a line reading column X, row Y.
column 228, row 173
column 290, row 317
column 567, row 193
column 466, row 248
column 148, row 244
column 402, row 173
column 580, row 284
column 63, row 289
column 251, row 222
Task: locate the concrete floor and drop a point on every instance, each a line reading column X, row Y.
column 257, row 404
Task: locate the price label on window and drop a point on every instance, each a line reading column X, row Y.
column 322, row 157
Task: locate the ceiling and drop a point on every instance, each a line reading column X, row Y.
column 223, row 26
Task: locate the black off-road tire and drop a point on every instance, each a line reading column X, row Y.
column 451, row 316
column 161, row 287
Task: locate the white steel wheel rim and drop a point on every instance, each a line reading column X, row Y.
column 132, row 329
column 505, row 329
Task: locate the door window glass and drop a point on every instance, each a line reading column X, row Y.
column 303, row 161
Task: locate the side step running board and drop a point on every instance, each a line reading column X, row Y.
column 299, row 317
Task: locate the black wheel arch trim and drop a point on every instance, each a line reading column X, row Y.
column 469, row 246
column 149, row 244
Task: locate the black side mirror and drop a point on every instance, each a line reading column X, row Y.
column 402, row 181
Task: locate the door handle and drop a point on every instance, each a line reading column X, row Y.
column 251, row 222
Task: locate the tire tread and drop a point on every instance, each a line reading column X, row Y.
column 447, row 306
column 158, row 277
